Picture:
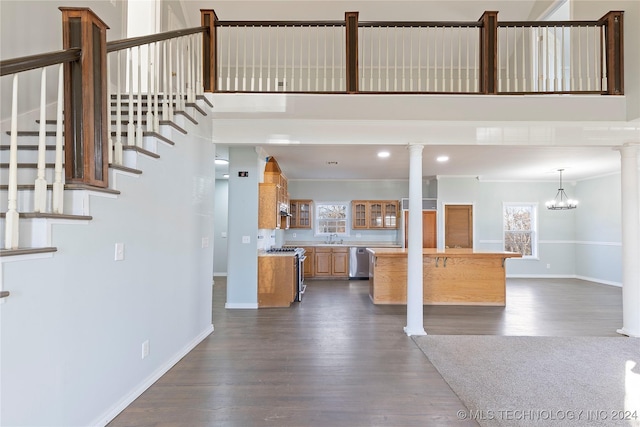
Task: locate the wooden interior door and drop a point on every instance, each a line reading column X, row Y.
column 458, row 226
column 429, row 229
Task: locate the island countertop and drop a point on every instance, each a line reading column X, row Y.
column 458, row 276
column 448, row 252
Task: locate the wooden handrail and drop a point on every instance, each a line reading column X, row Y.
column 280, row 23
column 26, row 63
column 548, row 23
column 116, row 45
column 400, row 24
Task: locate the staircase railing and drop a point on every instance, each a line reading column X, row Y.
column 90, row 73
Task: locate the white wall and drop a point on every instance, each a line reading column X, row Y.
column 584, row 242
column 242, row 264
column 73, row 327
column 221, row 226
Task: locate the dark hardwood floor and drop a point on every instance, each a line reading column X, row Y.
column 337, row 360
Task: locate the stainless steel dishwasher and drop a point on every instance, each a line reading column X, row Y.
column 358, row 263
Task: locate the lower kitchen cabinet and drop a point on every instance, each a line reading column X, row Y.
column 276, row 280
column 331, row 262
column 309, row 263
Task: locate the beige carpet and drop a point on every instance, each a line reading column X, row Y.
column 541, row 381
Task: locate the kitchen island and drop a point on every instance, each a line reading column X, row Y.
column 450, row 276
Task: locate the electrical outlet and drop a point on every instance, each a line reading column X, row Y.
column 294, row 234
column 548, row 265
column 205, row 242
column 119, row 256
column 358, row 235
column 246, row 239
column 223, row 234
column 145, row 349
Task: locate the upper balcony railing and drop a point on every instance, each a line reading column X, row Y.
column 482, row 57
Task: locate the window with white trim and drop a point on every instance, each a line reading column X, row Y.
column 520, row 228
column 332, row 218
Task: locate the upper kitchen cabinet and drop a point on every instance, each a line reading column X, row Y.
column 273, row 204
column 374, row 214
column 300, row 213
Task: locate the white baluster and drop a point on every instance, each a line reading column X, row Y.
column 199, row 66
column 324, row 85
column 411, row 59
column 460, row 58
column 428, row 85
column 379, row 31
column 156, row 87
column 387, row 56
column 317, row 88
column 419, row 71
column 139, row 116
column 395, row 59
column 333, row 58
column 253, row 60
column 150, row 65
column 11, row 217
column 170, row 85
column 229, row 60
column 117, row 146
column 579, row 59
column 451, row 61
column 165, row 80
column 468, row 60
column 524, row 72
column 110, row 142
column 58, row 185
column 40, row 193
column 442, row 72
column 244, row 58
column 131, row 129
column 515, row 59
column 603, row 58
column 300, row 54
column 188, row 58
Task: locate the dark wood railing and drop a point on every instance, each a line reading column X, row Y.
column 85, row 50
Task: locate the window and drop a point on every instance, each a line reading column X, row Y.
column 332, row 218
column 520, row 228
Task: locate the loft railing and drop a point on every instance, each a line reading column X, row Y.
column 485, row 56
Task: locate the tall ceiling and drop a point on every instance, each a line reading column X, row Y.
column 309, row 142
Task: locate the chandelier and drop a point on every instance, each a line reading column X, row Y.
column 561, row 201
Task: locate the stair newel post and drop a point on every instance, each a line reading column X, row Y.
column 489, row 53
column 11, row 217
column 40, row 191
column 351, row 31
column 614, row 61
column 58, row 185
column 86, row 125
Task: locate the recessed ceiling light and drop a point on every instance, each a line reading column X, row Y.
column 383, row 154
column 442, row 158
column 222, row 162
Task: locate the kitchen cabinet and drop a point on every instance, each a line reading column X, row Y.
column 374, row 214
column 273, row 198
column 277, row 278
column 300, row 213
column 309, row 263
column 331, row 262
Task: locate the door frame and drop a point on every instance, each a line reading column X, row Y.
column 441, row 222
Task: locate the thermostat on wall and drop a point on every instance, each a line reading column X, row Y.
column 243, row 174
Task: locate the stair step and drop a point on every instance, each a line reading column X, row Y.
column 140, row 150
column 28, row 147
column 197, row 108
column 26, row 251
column 148, row 133
column 205, row 100
column 125, row 169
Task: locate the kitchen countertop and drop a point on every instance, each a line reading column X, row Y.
column 345, row 244
column 451, row 252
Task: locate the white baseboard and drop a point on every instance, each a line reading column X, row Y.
column 134, row 394
column 233, row 305
column 604, row 282
column 563, row 276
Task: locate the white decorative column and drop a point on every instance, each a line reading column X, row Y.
column 630, row 241
column 415, row 322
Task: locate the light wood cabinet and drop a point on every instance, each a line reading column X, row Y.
column 300, row 213
column 374, row 214
column 273, row 197
column 331, row 262
column 309, row 263
column 276, row 281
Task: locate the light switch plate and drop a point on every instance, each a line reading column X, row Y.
column 246, row 239
column 119, row 255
